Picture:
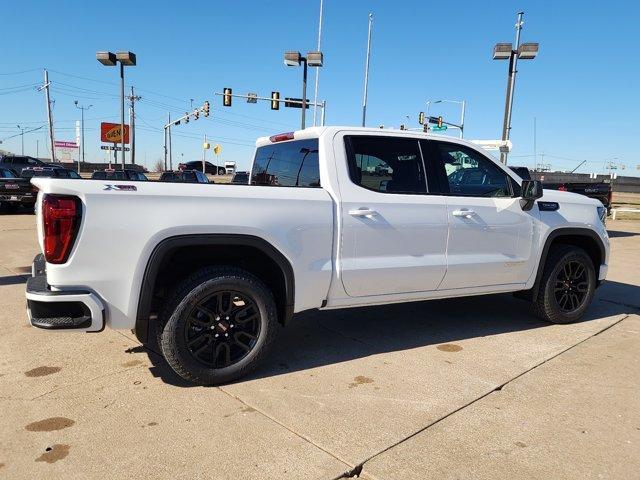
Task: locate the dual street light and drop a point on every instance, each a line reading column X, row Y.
column 126, row 59
column 506, row 51
column 294, row 59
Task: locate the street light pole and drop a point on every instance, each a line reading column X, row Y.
column 304, row 90
column 122, row 111
column 315, row 95
column 293, row 59
column 366, row 71
column 513, row 64
column 506, row 51
column 110, row 59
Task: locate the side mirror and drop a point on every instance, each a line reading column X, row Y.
column 531, row 191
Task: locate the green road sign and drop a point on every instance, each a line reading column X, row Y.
column 436, row 128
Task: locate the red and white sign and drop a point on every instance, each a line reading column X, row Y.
column 65, row 144
column 66, row 151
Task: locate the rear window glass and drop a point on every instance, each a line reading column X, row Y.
column 287, row 164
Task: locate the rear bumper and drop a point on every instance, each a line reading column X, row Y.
column 25, row 199
column 78, row 309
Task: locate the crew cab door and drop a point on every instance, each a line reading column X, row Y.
column 393, row 231
column 490, row 236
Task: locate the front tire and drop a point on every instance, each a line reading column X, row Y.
column 567, row 285
column 222, row 324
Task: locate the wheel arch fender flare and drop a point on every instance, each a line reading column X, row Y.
column 169, row 244
column 565, row 232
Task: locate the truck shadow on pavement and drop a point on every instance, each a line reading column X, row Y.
column 13, row 279
column 315, row 339
column 619, row 234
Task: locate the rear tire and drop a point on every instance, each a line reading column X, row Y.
column 222, row 324
column 567, row 285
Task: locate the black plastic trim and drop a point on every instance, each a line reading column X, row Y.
column 65, row 312
column 562, row 232
column 167, row 245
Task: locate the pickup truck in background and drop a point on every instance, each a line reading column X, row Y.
column 15, row 191
column 599, row 190
column 318, row 227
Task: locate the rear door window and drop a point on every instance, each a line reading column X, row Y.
column 287, row 164
column 386, row 164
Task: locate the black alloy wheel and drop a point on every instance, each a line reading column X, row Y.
column 567, row 285
column 218, row 325
column 222, row 328
column 572, row 286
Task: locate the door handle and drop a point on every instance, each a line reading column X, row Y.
column 464, row 213
column 363, row 212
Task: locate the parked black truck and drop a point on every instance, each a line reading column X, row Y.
column 598, row 190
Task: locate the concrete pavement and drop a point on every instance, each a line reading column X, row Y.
column 386, row 390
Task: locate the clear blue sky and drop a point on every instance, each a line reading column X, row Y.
column 583, row 88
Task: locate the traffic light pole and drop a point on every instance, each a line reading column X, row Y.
column 303, row 103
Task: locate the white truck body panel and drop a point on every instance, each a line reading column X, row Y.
column 413, row 247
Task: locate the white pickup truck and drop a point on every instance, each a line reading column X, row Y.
column 333, row 217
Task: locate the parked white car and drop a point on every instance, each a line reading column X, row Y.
column 317, row 228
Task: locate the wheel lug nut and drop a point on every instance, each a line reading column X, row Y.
column 216, row 335
column 226, row 334
column 231, row 326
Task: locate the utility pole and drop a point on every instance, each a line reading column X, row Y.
column 21, row 137
column 315, row 95
column 366, row 71
column 49, row 114
column 82, row 108
column 132, row 123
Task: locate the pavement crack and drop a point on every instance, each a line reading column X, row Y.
column 486, row 394
column 297, row 434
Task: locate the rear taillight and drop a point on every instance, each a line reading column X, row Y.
column 61, row 218
column 562, row 188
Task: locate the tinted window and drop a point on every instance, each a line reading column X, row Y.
column 6, row 173
column 386, row 164
column 469, row 173
column 62, row 173
column 99, row 175
column 189, row 177
column 73, row 174
column 287, row 164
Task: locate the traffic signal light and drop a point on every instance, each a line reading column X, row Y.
column 186, row 118
column 196, row 114
column 402, row 127
column 421, row 118
column 275, row 100
column 437, row 120
column 206, row 108
column 226, row 98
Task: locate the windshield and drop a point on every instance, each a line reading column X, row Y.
column 37, row 173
